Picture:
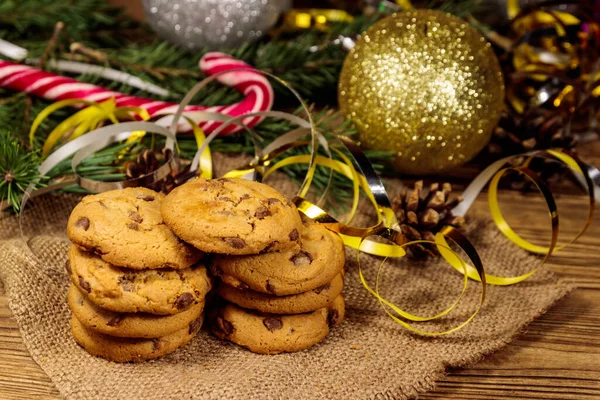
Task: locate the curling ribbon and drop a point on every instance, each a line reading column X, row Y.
column 363, row 178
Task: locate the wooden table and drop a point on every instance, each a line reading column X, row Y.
column 556, row 357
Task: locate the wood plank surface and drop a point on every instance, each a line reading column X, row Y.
column 556, row 357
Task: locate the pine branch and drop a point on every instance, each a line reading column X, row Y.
column 22, row 20
column 18, row 169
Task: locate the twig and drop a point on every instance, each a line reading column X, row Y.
column 51, row 43
column 158, row 72
column 95, row 54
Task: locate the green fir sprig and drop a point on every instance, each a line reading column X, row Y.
column 18, row 169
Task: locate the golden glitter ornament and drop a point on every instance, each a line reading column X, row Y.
column 425, row 85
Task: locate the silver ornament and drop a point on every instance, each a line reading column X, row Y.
column 212, row 24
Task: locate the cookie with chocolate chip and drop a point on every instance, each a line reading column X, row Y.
column 132, row 325
column 232, row 216
column 129, row 349
column 293, row 304
column 301, row 268
column 125, row 228
column 154, row 291
column 273, row 333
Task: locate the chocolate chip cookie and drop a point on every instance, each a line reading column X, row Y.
column 292, row 304
column 232, row 216
column 131, row 325
column 127, row 349
column 154, row 291
column 301, row 268
column 272, row 333
column 125, row 228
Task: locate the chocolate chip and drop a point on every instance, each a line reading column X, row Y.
column 262, row 212
column 269, row 247
column 333, row 317
column 155, row 344
column 68, row 267
column 243, row 286
column 184, row 301
column 236, row 243
column 321, row 288
column 133, row 226
column 245, row 196
column 85, row 285
column 83, row 223
column 225, row 198
column 224, row 180
column 273, row 323
column 195, row 326
column 273, row 200
column 302, row 258
column 294, row 235
column 116, row 320
column 135, row 217
column 225, row 326
column 145, row 197
column 270, row 288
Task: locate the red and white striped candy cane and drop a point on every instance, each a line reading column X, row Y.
column 256, row 88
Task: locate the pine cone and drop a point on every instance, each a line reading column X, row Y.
column 148, row 161
column 540, row 129
column 422, row 215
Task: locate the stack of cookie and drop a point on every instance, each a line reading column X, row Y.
column 281, row 279
column 138, row 291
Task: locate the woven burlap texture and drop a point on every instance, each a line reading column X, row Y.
column 368, row 356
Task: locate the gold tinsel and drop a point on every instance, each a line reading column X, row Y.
column 425, row 85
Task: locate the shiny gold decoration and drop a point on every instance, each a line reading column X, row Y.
column 425, row 85
column 550, row 65
column 320, row 19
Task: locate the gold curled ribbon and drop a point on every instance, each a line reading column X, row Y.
column 317, row 18
column 494, row 173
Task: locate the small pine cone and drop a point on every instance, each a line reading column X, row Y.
column 422, row 215
column 148, row 162
column 536, row 129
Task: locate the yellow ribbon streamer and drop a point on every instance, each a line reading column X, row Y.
column 82, row 121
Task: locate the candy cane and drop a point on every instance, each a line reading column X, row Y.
column 256, row 88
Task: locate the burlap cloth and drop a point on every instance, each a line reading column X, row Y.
column 368, row 356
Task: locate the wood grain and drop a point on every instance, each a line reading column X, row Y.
column 556, row 357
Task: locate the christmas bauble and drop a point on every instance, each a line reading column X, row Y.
column 212, row 24
column 425, row 85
